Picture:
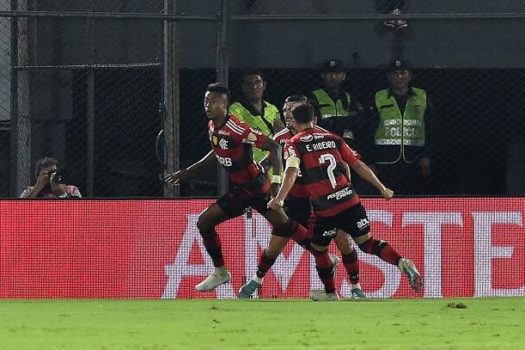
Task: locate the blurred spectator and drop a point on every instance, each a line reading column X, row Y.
column 402, row 136
column 50, row 182
column 336, row 110
column 254, row 111
column 395, row 7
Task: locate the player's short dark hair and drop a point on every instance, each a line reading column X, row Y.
column 296, row 98
column 43, row 163
column 219, row 88
column 251, row 71
column 303, row 113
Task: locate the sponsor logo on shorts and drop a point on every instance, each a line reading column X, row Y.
column 363, row 223
column 330, row 233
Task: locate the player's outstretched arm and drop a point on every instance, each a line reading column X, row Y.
column 275, row 154
column 288, row 181
column 366, row 173
column 183, row 174
column 276, row 161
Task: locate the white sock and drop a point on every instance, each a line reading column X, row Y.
column 357, row 285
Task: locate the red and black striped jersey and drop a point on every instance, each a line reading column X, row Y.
column 232, row 144
column 299, row 189
column 322, row 156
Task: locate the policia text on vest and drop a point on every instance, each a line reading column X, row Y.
column 404, row 132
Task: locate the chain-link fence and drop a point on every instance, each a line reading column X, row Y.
column 93, row 83
column 85, row 90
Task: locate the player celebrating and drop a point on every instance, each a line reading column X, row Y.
column 298, row 207
column 232, row 143
column 319, row 156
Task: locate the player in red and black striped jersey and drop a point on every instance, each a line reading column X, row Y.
column 298, row 207
column 320, row 157
column 232, row 143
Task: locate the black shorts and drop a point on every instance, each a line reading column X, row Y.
column 298, row 209
column 353, row 221
column 235, row 202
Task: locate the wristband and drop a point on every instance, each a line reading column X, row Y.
column 276, row 179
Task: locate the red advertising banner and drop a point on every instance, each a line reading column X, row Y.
column 152, row 249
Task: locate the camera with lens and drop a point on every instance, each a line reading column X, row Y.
column 57, row 176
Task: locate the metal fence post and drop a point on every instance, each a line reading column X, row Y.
column 171, row 99
column 90, row 166
column 222, row 76
column 20, row 111
column 14, row 101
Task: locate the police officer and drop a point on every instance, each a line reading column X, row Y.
column 252, row 109
column 401, row 151
column 336, row 110
column 339, row 112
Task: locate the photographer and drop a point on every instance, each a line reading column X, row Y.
column 50, row 182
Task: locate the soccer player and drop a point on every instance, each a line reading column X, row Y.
column 232, row 143
column 319, row 156
column 298, row 207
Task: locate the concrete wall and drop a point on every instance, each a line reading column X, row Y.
column 428, row 43
column 301, row 44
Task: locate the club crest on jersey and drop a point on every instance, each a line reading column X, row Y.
column 307, row 138
column 223, row 144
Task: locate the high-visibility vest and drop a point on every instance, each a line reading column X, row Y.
column 330, row 108
column 396, row 129
column 271, row 113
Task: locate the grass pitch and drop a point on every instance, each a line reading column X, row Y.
column 268, row 324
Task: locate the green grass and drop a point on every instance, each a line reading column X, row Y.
column 271, row 324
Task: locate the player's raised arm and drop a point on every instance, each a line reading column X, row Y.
column 183, row 174
column 275, row 155
column 257, row 139
column 290, row 175
column 366, row 173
